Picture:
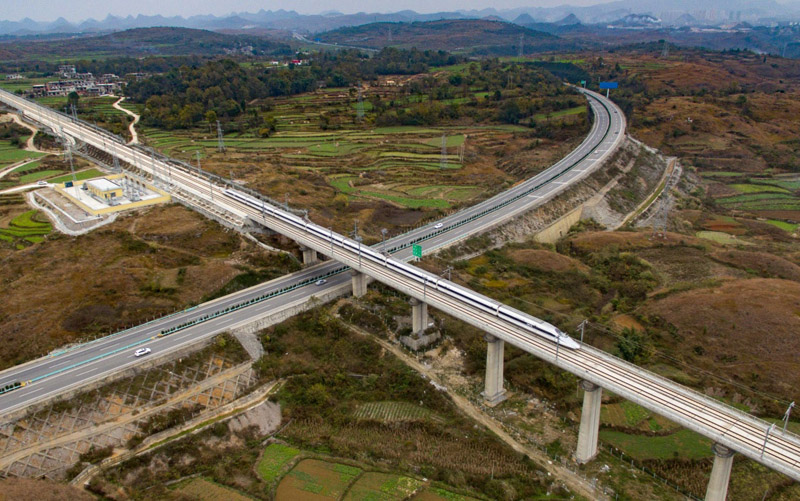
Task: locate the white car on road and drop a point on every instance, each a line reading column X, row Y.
column 321, row 281
column 438, row 225
column 141, row 352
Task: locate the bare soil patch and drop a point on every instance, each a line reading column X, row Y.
column 18, row 489
column 747, row 328
column 624, row 240
column 545, row 260
column 765, row 264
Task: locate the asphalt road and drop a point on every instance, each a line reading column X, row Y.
column 89, row 362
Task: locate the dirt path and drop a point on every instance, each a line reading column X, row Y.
column 11, row 168
column 29, row 146
column 572, row 481
column 132, row 126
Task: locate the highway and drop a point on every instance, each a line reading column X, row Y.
column 63, row 371
column 724, row 424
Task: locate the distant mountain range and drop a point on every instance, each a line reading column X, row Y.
column 673, row 13
column 471, row 36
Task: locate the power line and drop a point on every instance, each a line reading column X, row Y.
column 220, row 142
column 682, row 363
column 619, row 335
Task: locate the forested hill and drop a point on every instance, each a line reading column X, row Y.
column 474, row 36
column 141, row 42
column 184, row 96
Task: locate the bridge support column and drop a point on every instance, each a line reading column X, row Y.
column 309, row 256
column 590, row 422
column 493, row 392
column 419, row 316
column 720, row 473
column 359, row 283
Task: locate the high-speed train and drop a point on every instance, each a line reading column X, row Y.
column 525, row 322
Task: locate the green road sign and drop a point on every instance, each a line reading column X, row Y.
column 416, row 250
column 583, row 83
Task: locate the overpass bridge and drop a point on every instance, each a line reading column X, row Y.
column 731, row 429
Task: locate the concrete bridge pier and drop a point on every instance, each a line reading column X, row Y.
column 590, row 422
column 359, row 283
column 720, row 473
column 309, row 256
column 493, row 392
column 419, row 316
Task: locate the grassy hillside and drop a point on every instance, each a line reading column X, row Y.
column 476, row 36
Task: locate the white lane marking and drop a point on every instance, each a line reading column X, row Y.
column 84, row 372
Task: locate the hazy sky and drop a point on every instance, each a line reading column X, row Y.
column 78, row 10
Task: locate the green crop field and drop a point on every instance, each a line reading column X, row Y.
column 317, row 479
column 721, row 174
column 452, row 141
column 439, row 494
column 721, row 238
column 23, row 84
column 275, row 458
column 373, row 486
column 27, row 228
column 683, row 443
column 790, row 227
column 561, row 113
column 757, row 188
column 35, row 176
column 200, row 489
column 10, row 153
column 389, row 412
column 28, row 166
column 80, row 176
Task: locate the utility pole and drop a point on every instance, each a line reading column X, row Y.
column 198, row 162
column 786, row 416
column 115, row 161
column 558, row 345
column 448, row 271
column 582, row 326
column 521, row 51
column 665, row 50
column 384, row 231
column 766, row 438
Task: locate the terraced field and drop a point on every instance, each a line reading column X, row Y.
column 11, row 153
column 25, row 229
column 777, row 197
column 392, row 412
column 372, row 166
column 201, row 489
column 274, row 460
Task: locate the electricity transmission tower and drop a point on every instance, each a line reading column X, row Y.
column 521, row 51
column 443, row 164
column 115, row 160
column 665, row 50
column 68, row 154
column 360, row 106
column 220, row 142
